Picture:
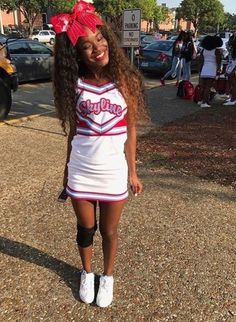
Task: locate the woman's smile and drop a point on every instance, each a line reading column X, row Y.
column 101, row 56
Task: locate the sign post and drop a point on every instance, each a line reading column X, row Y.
column 131, row 29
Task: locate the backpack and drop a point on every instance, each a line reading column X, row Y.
column 221, row 85
column 180, row 89
column 197, row 97
column 185, row 90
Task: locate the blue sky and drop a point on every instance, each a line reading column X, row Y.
column 229, row 5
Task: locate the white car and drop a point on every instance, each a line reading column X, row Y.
column 45, row 36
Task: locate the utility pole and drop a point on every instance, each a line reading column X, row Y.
column 1, row 23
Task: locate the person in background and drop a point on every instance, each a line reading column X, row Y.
column 97, row 96
column 210, row 66
column 231, row 71
column 175, row 70
column 187, row 52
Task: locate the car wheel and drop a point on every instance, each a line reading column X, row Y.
column 52, row 40
column 36, row 39
column 5, row 101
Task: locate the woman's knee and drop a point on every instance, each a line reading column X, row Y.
column 108, row 234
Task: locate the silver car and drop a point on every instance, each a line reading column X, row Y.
column 45, row 36
column 33, row 61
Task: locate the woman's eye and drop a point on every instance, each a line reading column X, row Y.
column 86, row 46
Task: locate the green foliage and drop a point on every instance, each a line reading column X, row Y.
column 229, row 22
column 201, row 11
column 62, row 5
column 114, row 9
column 29, row 8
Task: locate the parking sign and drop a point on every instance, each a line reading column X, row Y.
column 131, row 27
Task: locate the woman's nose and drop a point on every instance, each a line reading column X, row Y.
column 96, row 47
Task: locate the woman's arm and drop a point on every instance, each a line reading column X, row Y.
column 69, row 139
column 218, row 60
column 130, row 152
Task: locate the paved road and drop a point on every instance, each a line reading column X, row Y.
column 31, row 99
column 37, row 98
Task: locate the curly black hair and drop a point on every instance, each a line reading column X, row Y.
column 68, row 68
column 211, row 42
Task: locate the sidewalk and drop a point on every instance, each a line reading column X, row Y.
column 177, row 255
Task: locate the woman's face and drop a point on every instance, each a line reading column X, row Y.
column 93, row 49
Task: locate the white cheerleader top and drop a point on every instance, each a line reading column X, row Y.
column 101, row 123
column 209, row 68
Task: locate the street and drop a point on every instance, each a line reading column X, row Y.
column 31, row 99
column 36, row 98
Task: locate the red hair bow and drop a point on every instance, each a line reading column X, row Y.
column 83, row 15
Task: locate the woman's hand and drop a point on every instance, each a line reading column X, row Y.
column 135, row 185
column 65, row 178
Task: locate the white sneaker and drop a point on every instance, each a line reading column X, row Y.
column 86, row 290
column 225, row 96
column 105, row 291
column 199, row 102
column 230, row 103
column 205, row 105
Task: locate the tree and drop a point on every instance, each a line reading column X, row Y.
column 229, row 22
column 114, row 9
column 62, row 5
column 201, row 11
column 29, row 8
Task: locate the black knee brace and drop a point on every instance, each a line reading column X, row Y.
column 85, row 235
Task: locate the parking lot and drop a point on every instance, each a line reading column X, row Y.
column 36, row 98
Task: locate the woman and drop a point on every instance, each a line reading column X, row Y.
column 98, row 93
column 210, row 66
column 187, row 52
column 176, row 62
column 231, row 71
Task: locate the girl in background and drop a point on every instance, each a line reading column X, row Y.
column 187, row 55
column 231, row 72
column 210, row 66
column 175, row 70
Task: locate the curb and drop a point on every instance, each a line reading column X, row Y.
column 24, row 118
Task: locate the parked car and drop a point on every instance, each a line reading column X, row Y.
column 8, row 81
column 156, row 57
column 33, row 60
column 44, row 36
column 3, row 38
column 146, row 40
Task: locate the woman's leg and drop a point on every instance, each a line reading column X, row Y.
column 233, row 86
column 179, row 70
column 175, row 63
column 110, row 214
column 86, row 219
column 188, row 71
column 206, row 85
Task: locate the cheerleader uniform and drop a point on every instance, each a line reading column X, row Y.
column 97, row 169
column 209, row 66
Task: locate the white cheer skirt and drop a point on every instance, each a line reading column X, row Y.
column 231, row 67
column 104, row 180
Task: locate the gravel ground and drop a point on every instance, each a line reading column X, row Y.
column 177, row 253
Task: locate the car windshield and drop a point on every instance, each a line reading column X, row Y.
column 161, row 45
column 149, row 38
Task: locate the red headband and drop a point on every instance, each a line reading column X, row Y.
column 83, row 15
